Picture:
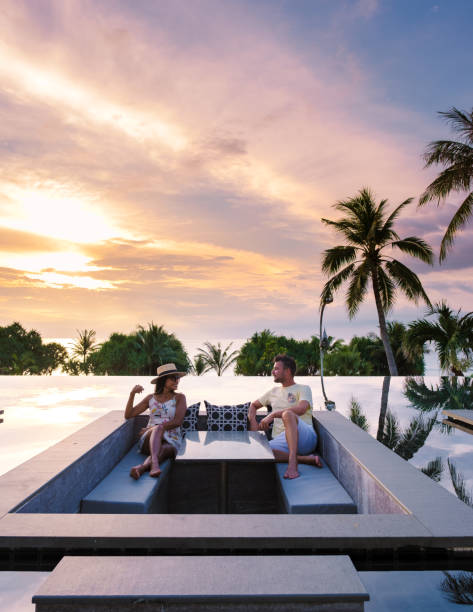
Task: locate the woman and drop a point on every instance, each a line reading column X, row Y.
column 161, row 438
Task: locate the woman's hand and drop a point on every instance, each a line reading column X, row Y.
column 137, row 389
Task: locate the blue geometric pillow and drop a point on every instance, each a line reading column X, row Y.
column 227, row 418
column 190, row 419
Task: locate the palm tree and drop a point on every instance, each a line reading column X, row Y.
column 457, row 156
column 216, row 358
column 85, row 344
column 368, row 231
column 157, row 346
column 451, row 334
column 199, row 366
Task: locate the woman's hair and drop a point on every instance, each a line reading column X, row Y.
column 160, row 384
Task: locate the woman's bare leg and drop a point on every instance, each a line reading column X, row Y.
column 313, row 459
column 155, row 442
column 137, row 470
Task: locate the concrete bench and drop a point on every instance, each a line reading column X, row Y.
column 204, row 583
column 118, row 493
column 316, row 491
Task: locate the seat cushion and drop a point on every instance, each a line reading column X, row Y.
column 316, row 491
column 119, row 493
column 227, row 418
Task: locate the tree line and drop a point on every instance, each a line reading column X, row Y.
column 143, row 350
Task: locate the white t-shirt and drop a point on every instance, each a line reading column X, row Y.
column 282, row 398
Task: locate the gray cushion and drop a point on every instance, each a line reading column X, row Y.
column 316, row 491
column 119, row 493
column 190, row 419
column 227, row 418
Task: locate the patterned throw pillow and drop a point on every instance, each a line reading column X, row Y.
column 227, row 418
column 190, row 419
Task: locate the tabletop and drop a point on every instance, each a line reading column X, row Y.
column 225, row 446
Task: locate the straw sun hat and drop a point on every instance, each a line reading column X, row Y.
column 166, row 370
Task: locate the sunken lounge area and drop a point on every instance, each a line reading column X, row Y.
column 223, row 511
column 236, row 504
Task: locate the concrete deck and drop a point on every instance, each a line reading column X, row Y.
column 400, row 507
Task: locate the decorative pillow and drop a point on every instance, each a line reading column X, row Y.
column 227, row 418
column 190, row 419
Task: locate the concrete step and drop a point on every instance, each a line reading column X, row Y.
column 242, row 583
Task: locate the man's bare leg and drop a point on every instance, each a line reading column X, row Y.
column 313, row 459
column 290, row 421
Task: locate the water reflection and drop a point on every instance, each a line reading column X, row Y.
column 458, row 587
column 428, row 400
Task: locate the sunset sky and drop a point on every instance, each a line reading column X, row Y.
column 170, row 161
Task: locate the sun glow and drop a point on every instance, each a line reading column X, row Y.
column 55, row 280
column 53, row 210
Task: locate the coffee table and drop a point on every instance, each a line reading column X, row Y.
column 224, row 447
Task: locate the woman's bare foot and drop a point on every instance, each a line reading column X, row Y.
column 291, row 471
column 136, row 471
column 155, row 470
column 315, row 460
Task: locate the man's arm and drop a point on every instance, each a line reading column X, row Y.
column 299, row 409
column 252, row 414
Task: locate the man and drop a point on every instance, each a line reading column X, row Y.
column 294, row 437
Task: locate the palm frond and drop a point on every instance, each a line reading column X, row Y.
column 336, row 281
column 458, row 482
column 336, row 257
column 460, row 218
column 412, row 245
column 446, row 152
column 391, row 435
column 458, row 587
column 457, row 177
column 434, row 469
column 357, row 416
column 461, row 122
column 395, row 214
column 407, row 281
column 357, row 288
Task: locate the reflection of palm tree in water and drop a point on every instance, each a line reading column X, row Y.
column 458, row 587
column 404, row 443
column 452, row 394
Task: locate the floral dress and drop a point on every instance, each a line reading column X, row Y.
column 162, row 413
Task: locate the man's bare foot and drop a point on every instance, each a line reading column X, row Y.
column 315, row 460
column 155, row 471
column 136, row 472
column 291, row 472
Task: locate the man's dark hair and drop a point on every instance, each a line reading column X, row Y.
column 287, row 361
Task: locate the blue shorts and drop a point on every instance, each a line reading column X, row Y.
column 306, row 443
